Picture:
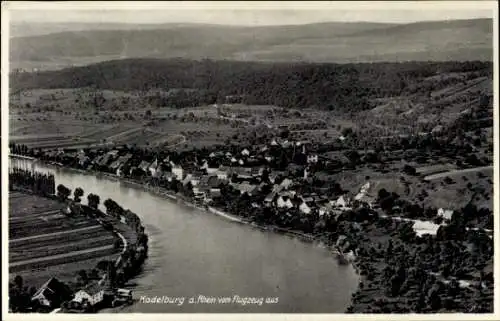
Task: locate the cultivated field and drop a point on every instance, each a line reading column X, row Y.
column 43, row 242
column 51, row 118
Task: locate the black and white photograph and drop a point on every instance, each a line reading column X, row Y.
column 278, row 158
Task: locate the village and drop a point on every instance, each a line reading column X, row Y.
column 356, row 204
column 264, row 177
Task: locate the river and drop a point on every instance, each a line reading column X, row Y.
column 195, row 253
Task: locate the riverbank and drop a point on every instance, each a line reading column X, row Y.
column 41, row 241
column 165, row 194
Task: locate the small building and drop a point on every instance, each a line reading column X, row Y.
column 269, row 198
column 446, row 214
column 242, row 172
column 144, row 165
column 305, row 208
column 169, row 176
column 178, row 172
column 325, row 210
column 284, row 201
column 208, row 168
column 246, row 188
column 93, row 294
column 155, row 169
column 222, row 173
column 187, row 179
column 52, row 293
column 274, row 175
column 343, row 202
column 286, row 183
column 312, row 158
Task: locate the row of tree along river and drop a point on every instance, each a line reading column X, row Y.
column 124, row 223
column 193, row 255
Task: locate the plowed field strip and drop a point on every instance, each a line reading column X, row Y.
column 34, row 237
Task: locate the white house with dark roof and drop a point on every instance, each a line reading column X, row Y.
column 284, row 202
column 93, row 294
column 178, row 171
column 305, row 208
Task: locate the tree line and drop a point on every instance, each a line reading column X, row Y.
column 36, row 182
column 342, row 87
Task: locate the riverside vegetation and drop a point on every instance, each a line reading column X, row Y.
column 108, row 274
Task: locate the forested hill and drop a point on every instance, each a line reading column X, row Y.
column 347, row 87
column 336, row 42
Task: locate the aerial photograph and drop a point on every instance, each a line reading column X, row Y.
column 249, row 157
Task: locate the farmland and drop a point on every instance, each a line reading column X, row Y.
column 35, row 122
column 43, row 242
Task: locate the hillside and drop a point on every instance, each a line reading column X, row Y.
column 321, row 42
column 345, row 87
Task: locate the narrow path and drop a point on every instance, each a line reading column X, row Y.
column 456, row 172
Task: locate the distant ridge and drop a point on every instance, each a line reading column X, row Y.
column 336, row 42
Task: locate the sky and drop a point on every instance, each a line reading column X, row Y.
column 245, row 12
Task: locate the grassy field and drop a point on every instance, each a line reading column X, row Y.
column 469, row 186
column 44, row 243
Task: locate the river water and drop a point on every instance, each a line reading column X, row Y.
column 195, row 253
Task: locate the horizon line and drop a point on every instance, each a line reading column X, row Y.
column 13, row 21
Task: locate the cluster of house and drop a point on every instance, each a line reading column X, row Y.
column 206, row 180
column 54, row 292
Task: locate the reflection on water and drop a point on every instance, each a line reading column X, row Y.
column 194, row 253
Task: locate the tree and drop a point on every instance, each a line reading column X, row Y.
column 110, row 206
column 347, row 131
column 406, row 232
column 82, row 278
column 410, row 170
column 78, row 193
column 448, row 180
column 103, row 265
column 18, row 281
column 63, row 192
column 93, row 200
column 94, row 274
column 382, row 193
